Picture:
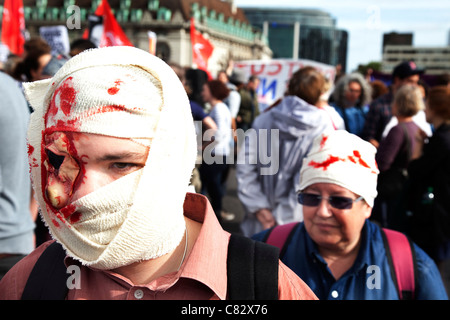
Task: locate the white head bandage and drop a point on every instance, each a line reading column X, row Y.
column 342, row 158
column 121, row 92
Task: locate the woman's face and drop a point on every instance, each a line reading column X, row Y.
column 353, row 93
column 331, row 228
column 206, row 93
column 43, row 61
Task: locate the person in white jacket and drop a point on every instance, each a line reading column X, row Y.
column 284, row 135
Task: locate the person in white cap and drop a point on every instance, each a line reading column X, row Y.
column 337, row 251
column 112, row 147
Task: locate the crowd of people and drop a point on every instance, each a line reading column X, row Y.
column 121, row 182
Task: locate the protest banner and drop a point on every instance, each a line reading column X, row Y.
column 275, row 74
column 57, row 37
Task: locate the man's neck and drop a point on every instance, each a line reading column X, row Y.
column 144, row 272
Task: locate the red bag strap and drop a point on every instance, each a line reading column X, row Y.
column 278, row 236
column 400, row 254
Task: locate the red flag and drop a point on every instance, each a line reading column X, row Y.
column 13, row 26
column 202, row 49
column 113, row 34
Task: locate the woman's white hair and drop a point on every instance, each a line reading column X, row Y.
column 342, row 86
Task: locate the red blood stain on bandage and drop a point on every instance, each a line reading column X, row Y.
column 323, row 141
column 63, row 99
column 355, row 158
column 33, row 161
column 30, row 149
column 360, row 160
column 114, row 108
column 70, row 213
column 325, row 164
column 114, row 90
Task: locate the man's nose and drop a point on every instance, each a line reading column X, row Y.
column 90, row 181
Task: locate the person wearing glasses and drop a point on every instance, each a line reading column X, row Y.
column 336, row 250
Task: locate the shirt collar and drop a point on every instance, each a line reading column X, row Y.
column 207, row 261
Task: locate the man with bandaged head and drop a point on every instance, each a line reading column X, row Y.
column 112, row 147
column 336, row 250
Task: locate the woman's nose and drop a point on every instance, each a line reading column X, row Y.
column 324, row 208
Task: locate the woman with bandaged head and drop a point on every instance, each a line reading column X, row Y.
column 336, row 250
column 112, row 147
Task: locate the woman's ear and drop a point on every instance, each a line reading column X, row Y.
column 367, row 210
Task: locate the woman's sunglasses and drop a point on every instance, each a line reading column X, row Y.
column 337, row 202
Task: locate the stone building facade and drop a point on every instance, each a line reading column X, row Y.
column 221, row 22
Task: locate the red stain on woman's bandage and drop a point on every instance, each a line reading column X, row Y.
column 355, row 158
column 323, row 141
column 325, row 164
column 114, row 90
column 360, row 160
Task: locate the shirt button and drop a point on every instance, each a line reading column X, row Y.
column 334, row 294
column 139, row 294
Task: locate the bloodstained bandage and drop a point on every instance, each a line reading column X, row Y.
column 62, row 170
column 354, row 158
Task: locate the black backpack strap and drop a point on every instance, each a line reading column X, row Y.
column 252, row 269
column 47, row 280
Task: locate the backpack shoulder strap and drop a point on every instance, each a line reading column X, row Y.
column 402, row 262
column 252, row 269
column 279, row 236
column 47, row 280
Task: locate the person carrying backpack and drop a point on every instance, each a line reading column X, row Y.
column 336, row 250
column 112, row 147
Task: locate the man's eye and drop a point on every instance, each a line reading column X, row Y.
column 54, row 159
column 123, row 166
column 120, row 165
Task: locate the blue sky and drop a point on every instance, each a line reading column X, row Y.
column 367, row 20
